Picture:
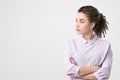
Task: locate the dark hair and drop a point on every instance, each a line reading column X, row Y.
column 101, row 25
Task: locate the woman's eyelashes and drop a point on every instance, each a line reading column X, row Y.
column 80, row 21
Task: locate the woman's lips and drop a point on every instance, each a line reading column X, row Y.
column 77, row 29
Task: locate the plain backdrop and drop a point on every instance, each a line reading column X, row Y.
column 33, row 34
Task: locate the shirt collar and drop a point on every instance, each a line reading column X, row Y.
column 84, row 41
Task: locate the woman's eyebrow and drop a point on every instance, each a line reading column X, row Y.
column 81, row 19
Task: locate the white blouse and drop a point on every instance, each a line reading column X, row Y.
column 95, row 52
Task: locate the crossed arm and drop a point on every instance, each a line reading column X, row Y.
column 86, row 72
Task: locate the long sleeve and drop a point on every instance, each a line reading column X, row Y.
column 104, row 72
column 71, row 69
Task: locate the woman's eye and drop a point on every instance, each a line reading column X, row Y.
column 82, row 21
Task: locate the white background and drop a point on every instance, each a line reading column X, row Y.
column 33, row 34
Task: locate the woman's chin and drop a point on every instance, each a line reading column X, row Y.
column 78, row 33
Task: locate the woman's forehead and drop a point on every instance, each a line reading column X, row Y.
column 81, row 16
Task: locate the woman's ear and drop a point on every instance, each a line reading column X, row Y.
column 92, row 25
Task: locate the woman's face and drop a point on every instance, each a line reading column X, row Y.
column 83, row 26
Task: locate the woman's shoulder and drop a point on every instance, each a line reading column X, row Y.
column 103, row 41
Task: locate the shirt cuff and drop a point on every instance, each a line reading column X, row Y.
column 76, row 70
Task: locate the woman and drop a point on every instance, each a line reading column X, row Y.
column 88, row 57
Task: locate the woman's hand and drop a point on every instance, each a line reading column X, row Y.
column 95, row 68
column 72, row 61
column 85, row 72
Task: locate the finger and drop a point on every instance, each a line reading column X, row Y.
column 72, row 61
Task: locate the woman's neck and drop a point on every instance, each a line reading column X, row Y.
column 88, row 36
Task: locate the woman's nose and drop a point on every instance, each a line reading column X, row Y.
column 77, row 24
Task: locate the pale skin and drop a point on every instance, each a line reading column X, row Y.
column 84, row 27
